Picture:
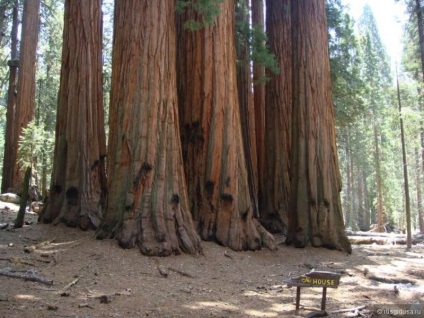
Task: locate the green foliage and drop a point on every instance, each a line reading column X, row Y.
column 345, row 62
column 49, row 62
column 35, row 143
column 254, row 38
column 260, row 51
column 208, row 10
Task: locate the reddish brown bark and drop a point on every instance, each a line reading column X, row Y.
column 247, row 112
column 212, row 139
column 10, row 143
column 147, row 202
column 315, row 206
column 25, row 103
column 278, row 118
column 259, row 104
column 78, row 181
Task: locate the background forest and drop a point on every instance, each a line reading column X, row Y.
column 364, row 93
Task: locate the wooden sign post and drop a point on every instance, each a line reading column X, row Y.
column 314, row 279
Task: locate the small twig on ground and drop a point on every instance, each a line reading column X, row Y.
column 226, row 254
column 176, row 270
column 68, row 286
column 348, row 310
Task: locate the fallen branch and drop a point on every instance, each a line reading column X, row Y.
column 29, row 276
column 391, row 280
column 348, row 310
column 68, row 286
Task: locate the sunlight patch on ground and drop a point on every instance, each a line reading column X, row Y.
column 253, row 293
column 26, row 297
column 257, row 313
column 212, row 304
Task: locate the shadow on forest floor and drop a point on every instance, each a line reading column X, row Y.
column 94, row 278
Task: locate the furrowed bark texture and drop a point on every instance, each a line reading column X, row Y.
column 315, row 207
column 78, row 190
column 25, row 104
column 212, row 139
column 8, row 164
column 147, row 201
column 278, row 118
column 259, row 104
column 247, row 111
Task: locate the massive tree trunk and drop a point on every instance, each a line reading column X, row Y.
column 211, row 133
column 77, row 191
column 278, row 117
column 25, row 103
column 245, row 94
column 258, row 21
column 147, row 201
column 10, row 143
column 315, row 207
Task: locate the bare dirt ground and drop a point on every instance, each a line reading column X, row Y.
column 92, row 278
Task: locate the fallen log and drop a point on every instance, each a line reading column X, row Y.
column 28, row 275
column 379, row 240
column 391, row 280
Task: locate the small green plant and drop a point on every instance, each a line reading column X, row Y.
column 34, row 143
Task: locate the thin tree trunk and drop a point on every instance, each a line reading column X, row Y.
column 419, row 193
column 419, row 13
column 405, row 171
column 380, row 208
column 212, row 138
column 367, row 206
column 315, row 206
column 78, row 188
column 278, row 118
column 147, row 202
column 258, row 21
column 25, row 104
column 349, row 197
column 10, row 143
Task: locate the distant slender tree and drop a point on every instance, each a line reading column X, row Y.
column 147, row 203
column 10, row 138
column 420, row 213
column 213, row 151
column 78, row 185
column 315, row 208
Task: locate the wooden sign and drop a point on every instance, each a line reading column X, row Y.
column 315, row 279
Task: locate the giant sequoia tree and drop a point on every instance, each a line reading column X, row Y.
column 213, row 151
column 315, row 213
column 25, row 103
column 147, row 203
column 278, row 112
column 78, row 182
column 10, row 138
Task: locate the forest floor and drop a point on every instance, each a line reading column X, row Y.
column 92, row 278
